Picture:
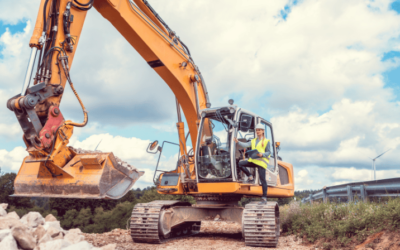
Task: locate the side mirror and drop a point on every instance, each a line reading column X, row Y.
column 152, row 146
column 245, row 122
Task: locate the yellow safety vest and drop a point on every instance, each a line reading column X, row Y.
column 262, row 162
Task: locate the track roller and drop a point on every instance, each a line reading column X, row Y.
column 146, row 226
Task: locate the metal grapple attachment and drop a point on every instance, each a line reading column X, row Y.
column 86, row 176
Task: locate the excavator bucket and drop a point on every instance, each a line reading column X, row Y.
column 86, row 176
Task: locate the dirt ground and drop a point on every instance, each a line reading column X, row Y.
column 213, row 235
column 227, row 235
column 383, row 240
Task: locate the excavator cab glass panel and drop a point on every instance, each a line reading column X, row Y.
column 245, row 134
column 214, row 145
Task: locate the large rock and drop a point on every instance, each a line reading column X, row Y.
column 4, row 233
column 39, row 232
column 59, row 236
column 44, row 239
column 50, row 217
column 4, row 205
column 24, row 237
column 109, row 247
column 8, row 243
column 13, row 215
column 73, row 237
column 32, row 219
column 55, row 224
column 75, row 230
column 7, row 223
column 83, row 245
column 55, row 245
column 2, row 212
column 53, row 231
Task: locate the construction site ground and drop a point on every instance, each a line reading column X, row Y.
column 220, row 235
column 213, row 235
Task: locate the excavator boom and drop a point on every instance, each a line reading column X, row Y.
column 53, row 169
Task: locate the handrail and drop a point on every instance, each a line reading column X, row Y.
column 365, row 189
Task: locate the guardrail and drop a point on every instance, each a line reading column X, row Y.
column 365, row 189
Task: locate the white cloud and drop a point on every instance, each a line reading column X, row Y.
column 128, row 149
column 344, row 136
column 355, row 175
column 12, row 159
column 303, row 180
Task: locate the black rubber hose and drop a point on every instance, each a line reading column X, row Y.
column 187, row 49
column 89, row 4
column 84, row 4
column 44, row 15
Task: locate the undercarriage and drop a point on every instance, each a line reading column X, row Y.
column 160, row 221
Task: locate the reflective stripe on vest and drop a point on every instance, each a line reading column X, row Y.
column 262, row 162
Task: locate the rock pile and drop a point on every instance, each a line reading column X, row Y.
column 33, row 232
column 120, row 162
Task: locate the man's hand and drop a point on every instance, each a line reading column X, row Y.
column 235, row 139
column 260, row 155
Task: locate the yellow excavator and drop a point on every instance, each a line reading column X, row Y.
column 208, row 171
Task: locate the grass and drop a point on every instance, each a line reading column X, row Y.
column 339, row 222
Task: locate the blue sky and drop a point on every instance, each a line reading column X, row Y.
column 326, row 76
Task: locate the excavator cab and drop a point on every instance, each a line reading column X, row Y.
column 217, row 155
column 213, row 164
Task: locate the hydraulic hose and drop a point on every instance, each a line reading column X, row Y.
column 85, row 115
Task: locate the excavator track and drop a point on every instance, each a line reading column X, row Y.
column 145, row 224
column 261, row 224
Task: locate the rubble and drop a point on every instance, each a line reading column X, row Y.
column 119, row 161
column 32, row 219
column 50, row 217
column 4, row 205
column 13, row 215
column 75, row 230
column 2, row 212
column 39, row 232
column 4, row 233
column 8, row 223
column 24, row 238
column 54, row 224
column 9, row 243
column 44, row 239
column 33, row 232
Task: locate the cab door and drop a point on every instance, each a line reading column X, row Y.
column 272, row 169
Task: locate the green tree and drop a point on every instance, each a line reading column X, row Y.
column 7, row 189
column 63, row 205
column 68, row 219
column 83, row 219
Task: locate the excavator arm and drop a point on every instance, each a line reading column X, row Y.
column 53, row 169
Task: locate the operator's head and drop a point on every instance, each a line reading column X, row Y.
column 260, row 129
